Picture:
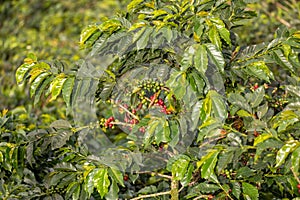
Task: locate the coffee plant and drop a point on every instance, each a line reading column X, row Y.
column 168, row 104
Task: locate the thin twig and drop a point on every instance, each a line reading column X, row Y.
column 212, row 140
column 151, row 195
column 295, row 175
column 157, row 174
column 130, row 113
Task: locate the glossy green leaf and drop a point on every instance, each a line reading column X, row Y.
column 37, row 70
column 41, row 88
column 142, row 42
column 56, row 86
column 180, row 167
column 295, row 158
column 208, row 167
column 214, row 37
column 218, row 105
column 261, row 138
column 174, row 128
column 188, row 176
column 116, row 175
column 86, row 33
column 60, row 138
column 37, row 82
column 250, row 191
column 150, row 132
column 162, row 133
column 201, row 59
column 67, row 90
column 223, row 32
column 207, row 188
column 22, row 71
column 239, row 101
column 101, row 181
column 89, row 183
column 244, row 172
column 259, row 70
column 216, row 57
column 70, row 190
column 282, row 61
column 257, row 97
column 133, row 4
column 236, row 189
column 295, row 90
column 225, row 158
column 113, row 192
column 206, row 108
column 76, row 192
column 285, row 151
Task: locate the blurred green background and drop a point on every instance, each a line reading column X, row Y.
column 51, row 30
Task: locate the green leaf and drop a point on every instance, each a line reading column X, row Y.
column 144, row 39
column 218, row 105
column 88, row 182
column 206, row 188
column 64, row 166
column 56, row 86
column 40, row 89
column 101, row 181
column 195, row 115
column 113, row 192
column 70, row 190
column 188, row 176
column 22, row 70
column 236, row 189
column 295, row 158
column 86, row 33
column 177, row 82
column 59, row 139
column 250, row 191
column 224, row 33
column 239, row 101
column 214, row 36
column 285, row 151
column 216, row 57
column 76, row 193
column 37, row 82
column 37, row 70
column 163, row 134
column 201, row 59
column 180, row 167
column 206, row 108
column 257, row 97
column 133, row 5
column 295, row 90
column 282, row 61
column 150, row 132
column 244, row 172
column 261, row 138
column 67, row 90
column 224, row 159
column 174, row 128
column 116, row 175
column 208, row 167
column 259, row 70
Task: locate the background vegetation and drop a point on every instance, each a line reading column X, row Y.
column 33, row 162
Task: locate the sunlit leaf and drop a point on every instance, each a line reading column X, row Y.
column 101, row 181
column 250, row 191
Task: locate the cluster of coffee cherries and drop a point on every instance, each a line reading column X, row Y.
column 161, row 104
column 107, row 123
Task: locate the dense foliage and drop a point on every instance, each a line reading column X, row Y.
column 168, row 103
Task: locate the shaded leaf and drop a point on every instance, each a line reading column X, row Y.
column 250, row 191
